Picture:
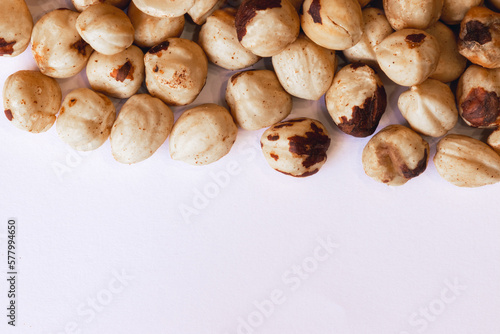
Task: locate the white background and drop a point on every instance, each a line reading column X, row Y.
column 104, row 247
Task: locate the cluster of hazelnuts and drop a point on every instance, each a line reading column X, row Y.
column 403, row 38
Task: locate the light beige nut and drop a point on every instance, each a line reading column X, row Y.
column 333, row 24
column 85, row 119
column 58, row 49
column 106, row 28
column 454, row 10
column 120, row 75
column 466, row 162
column 219, row 40
column 395, row 155
column 16, row 25
column 478, row 97
column 151, row 30
column 142, row 126
column 479, row 38
column 202, row 9
column 429, row 108
column 202, row 135
column 31, row 100
column 162, row 8
column 81, row 5
column 305, row 69
column 296, row 147
column 409, row 56
column 256, row 99
column 494, row 140
column 376, row 29
column 416, row 14
column 176, row 71
column 356, row 100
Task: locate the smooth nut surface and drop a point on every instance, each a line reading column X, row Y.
column 81, row 5
column 420, row 14
column 162, row 8
column 455, row 10
column 16, row 25
column 296, row 147
column 202, row 9
column 494, row 140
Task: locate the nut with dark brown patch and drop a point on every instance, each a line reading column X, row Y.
column 419, row 14
column 16, row 25
column 414, row 40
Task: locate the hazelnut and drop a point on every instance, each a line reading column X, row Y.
column 203, row 9
column 429, row 108
column 219, row 40
column 466, row 162
column 356, row 100
column 494, row 140
column 296, row 147
column 266, row 27
column 176, row 71
column 395, row 155
column 85, row 119
column 409, row 56
column 81, row 5
column 298, row 4
column 454, row 10
column 142, row 126
column 495, row 4
column 16, row 25
column 162, row 8
column 257, row 100
column 333, row 24
column 202, row 135
column 305, row 69
column 31, row 100
column 120, row 75
column 363, row 3
column 420, row 14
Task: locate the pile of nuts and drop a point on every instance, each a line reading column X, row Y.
column 402, row 38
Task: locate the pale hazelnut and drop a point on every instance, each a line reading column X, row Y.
column 81, row 5
column 415, row 14
column 454, row 10
column 494, row 140
column 16, row 25
column 203, row 9
column 162, row 8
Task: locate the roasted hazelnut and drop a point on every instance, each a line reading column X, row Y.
column 333, row 24
column 466, row 162
column 409, row 56
column 106, row 28
column 296, row 147
column 176, row 71
column 356, row 100
column 257, row 100
column 81, row 5
column 305, row 69
column 478, row 97
column 203, row 9
column 142, row 126
column 298, row 4
column 266, row 27
column 420, row 14
column 454, row 10
column 16, row 25
column 120, row 75
column 58, row 49
column 429, row 108
column 162, row 8
column 31, row 100
column 479, row 38
column 219, row 40
column 85, row 119
column 202, row 135
column 151, row 30
column 494, row 140
column 495, row 3
column 395, row 155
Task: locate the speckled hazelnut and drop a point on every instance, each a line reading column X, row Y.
column 296, row 147
column 162, row 8
column 454, row 10
column 81, row 5
column 494, row 140
column 202, row 135
column 256, row 99
column 16, row 25
column 416, row 14
column 395, row 155
column 31, row 101
column 203, row 9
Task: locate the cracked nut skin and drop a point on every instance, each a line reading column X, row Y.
column 333, row 24
column 296, row 147
column 454, row 10
column 467, row 162
column 395, row 155
column 162, row 8
column 81, row 5
column 31, row 100
column 356, row 100
column 16, row 25
column 416, row 14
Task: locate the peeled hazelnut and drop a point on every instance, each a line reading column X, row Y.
column 257, row 100
column 395, row 155
column 495, row 3
column 120, row 75
column 219, row 40
column 162, row 8
column 420, row 14
column 356, row 100
column 409, row 56
column 81, row 5
column 203, row 9
column 31, row 100
column 479, row 39
column 296, row 147
column 151, row 30
column 305, row 69
column 298, row 4
column 429, row 108
column 106, row 28
column 176, row 71
column 142, row 126
column 333, row 24
column 85, row 119
column 363, row 3
column 478, row 97
column 455, row 10
column 467, row 162
column 202, row 135
column 266, row 27
column 16, row 25
column 494, row 140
